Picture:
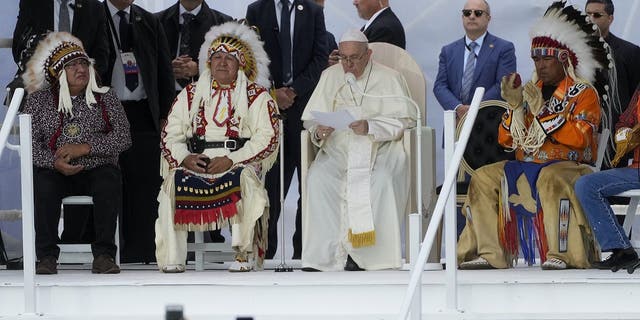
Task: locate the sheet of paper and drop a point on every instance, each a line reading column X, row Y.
column 338, row 120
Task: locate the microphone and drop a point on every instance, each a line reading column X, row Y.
column 351, row 81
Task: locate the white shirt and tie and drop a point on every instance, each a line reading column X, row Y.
column 69, row 6
column 279, row 8
column 182, row 11
column 292, row 19
column 468, row 41
column 469, row 64
column 117, row 76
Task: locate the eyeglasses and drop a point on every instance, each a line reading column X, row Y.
column 467, row 12
column 350, row 59
column 77, row 64
column 596, row 15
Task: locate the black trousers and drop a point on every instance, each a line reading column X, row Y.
column 104, row 184
column 141, row 179
column 292, row 127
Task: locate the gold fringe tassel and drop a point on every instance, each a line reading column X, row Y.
column 364, row 239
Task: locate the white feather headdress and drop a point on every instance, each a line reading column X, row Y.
column 46, row 68
column 569, row 35
column 243, row 39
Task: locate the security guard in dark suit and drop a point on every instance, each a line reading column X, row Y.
column 140, row 69
column 297, row 48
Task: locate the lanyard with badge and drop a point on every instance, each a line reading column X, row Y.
column 129, row 62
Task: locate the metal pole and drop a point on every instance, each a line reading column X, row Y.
column 416, row 303
column 28, row 232
column 282, row 267
column 10, row 117
column 450, row 179
column 415, row 223
column 450, row 214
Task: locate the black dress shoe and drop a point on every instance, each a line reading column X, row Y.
column 309, row 269
column 15, row 264
column 633, row 268
column 352, row 265
column 47, row 265
column 104, row 264
column 619, row 259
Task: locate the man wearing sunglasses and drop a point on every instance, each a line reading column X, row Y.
column 480, row 59
column 625, row 56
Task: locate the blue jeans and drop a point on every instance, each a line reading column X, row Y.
column 592, row 190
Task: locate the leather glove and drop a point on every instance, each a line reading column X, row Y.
column 511, row 90
column 532, row 95
column 626, row 141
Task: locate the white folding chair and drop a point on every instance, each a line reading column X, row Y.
column 630, row 216
column 209, row 252
column 603, row 138
column 81, row 253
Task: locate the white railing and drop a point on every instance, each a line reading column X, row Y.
column 9, row 119
column 446, row 197
column 450, row 223
column 28, row 232
column 26, row 173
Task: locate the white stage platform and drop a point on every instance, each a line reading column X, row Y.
column 141, row 292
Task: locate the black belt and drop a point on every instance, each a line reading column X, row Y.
column 198, row 145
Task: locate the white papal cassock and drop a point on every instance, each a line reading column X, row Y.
column 358, row 186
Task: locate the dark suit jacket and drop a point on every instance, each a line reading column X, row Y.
column 204, row 20
column 331, row 42
column 309, row 46
column 152, row 54
column 496, row 59
column 89, row 25
column 386, row 28
column 626, row 56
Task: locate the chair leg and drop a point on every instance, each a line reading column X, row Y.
column 631, row 214
column 199, row 238
column 117, row 241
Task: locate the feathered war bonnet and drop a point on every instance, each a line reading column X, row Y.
column 242, row 42
column 45, row 69
column 569, row 35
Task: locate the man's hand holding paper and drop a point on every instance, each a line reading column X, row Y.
column 339, row 120
column 323, row 132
